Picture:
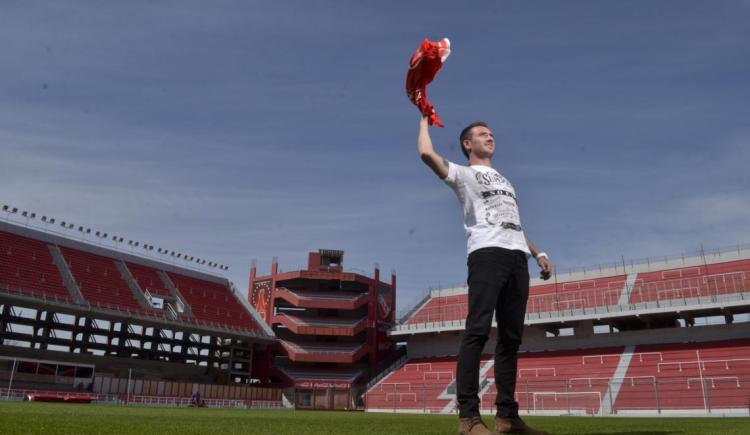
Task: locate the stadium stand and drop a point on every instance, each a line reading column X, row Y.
column 68, row 303
column 691, row 282
column 657, row 336
column 603, row 292
column 148, row 279
column 99, row 281
column 541, row 376
column 699, row 281
column 684, row 377
column 669, row 378
column 26, row 266
column 213, row 303
column 543, row 298
column 588, row 293
column 420, row 385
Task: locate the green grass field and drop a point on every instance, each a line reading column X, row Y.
column 49, row 418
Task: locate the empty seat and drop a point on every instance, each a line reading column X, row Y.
column 26, row 266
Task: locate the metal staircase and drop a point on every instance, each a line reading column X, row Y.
column 138, row 294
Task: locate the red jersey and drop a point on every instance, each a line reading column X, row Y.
column 423, row 67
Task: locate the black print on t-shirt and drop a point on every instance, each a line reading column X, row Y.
column 487, row 178
column 488, row 193
column 499, row 210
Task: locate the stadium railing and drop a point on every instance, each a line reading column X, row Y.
column 617, row 268
column 710, row 396
column 124, row 311
column 209, row 403
column 21, row 394
column 442, row 312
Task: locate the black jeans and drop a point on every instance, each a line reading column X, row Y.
column 499, row 282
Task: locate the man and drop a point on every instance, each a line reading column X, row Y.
column 498, row 275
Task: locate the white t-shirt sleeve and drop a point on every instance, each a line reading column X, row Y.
column 453, row 174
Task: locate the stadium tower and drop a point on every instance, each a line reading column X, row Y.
column 332, row 326
column 85, row 314
column 666, row 336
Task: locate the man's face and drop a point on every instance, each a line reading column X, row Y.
column 481, row 143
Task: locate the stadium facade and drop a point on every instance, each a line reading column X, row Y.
column 332, row 327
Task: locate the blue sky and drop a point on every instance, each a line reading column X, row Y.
column 240, row 130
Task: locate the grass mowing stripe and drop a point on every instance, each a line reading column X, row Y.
column 53, row 418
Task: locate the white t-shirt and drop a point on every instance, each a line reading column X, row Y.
column 488, row 200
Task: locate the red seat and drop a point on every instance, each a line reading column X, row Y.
column 26, row 265
column 213, row 303
column 100, row 281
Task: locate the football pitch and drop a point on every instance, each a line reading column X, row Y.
column 49, row 418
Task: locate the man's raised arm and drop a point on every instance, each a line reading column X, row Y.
column 432, row 159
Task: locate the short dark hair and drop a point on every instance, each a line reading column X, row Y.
column 466, row 134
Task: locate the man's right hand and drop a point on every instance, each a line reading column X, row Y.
column 427, row 153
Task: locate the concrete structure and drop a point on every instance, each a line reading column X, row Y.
column 332, row 326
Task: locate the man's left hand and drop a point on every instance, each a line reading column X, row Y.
column 546, row 267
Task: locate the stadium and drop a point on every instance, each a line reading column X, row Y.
column 87, row 322
column 240, row 217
